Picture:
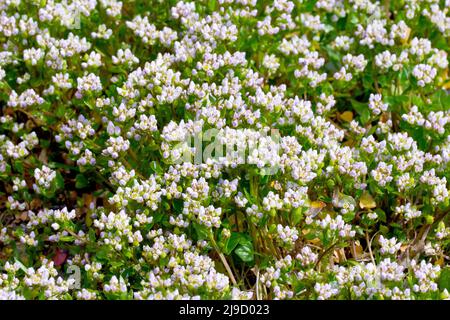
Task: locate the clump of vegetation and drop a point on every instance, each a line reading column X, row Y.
column 222, row 149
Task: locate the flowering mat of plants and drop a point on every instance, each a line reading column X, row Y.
column 224, row 149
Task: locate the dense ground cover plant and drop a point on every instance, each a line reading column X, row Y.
column 102, row 198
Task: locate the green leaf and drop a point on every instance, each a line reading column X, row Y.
column 202, row 231
column 367, row 81
column 21, row 266
column 18, row 165
column 420, row 136
column 416, row 100
column 66, row 238
column 44, row 143
column 59, row 181
column 60, row 111
column 384, row 229
column 154, row 165
column 297, row 215
column 232, row 242
column 381, row 215
column 212, row 5
column 349, row 216
column 396, row 102
column 245, row 250
column 440, row 101
column 178, row 205
column 362, row 109
column 92, row 235
column 102, row 253
column 81, row 181
column 444, row 279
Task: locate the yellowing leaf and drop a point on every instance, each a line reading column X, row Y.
column 318, row 204
column 341, row 200
column 367, row 201
column 315, row 207
column 339, row 255
column 315, row 241
column 346, row 116
column 404, row 40
column 349, row 143
column 357, row 250
column 446, row 85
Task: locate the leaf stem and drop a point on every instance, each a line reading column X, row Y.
column 224, row 260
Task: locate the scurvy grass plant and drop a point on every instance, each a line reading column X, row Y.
column 101, row 197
